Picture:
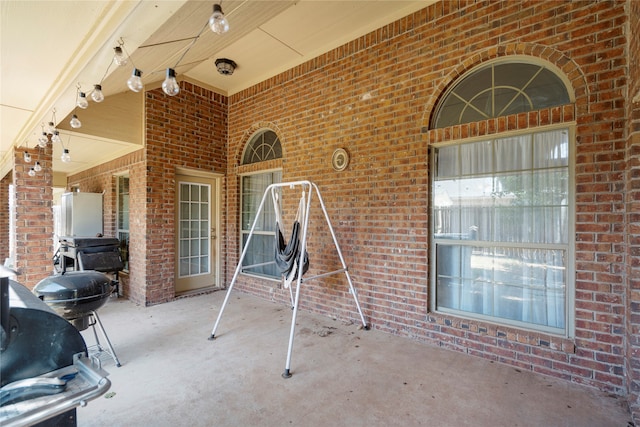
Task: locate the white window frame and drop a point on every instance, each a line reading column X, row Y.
column 244, row 232
column 569, row 329
column 118, row 229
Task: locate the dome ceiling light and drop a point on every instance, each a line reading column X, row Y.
column 225, row 66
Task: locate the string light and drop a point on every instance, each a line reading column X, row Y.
column 217, row 22
column 82, row 100
column 135, row 81
column 65, row 157
column 119, row 57
column 170, row 85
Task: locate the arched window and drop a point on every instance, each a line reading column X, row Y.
column 500, row 89
column 264, row 145
column 502, row 205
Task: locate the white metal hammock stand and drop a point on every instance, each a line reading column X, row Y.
column 308, row 188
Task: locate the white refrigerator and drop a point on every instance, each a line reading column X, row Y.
column 81, row 214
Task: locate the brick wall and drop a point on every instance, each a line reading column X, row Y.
column 185, row 131
column 34, row 216
column 633, row 215
column 374, row 96
column 4, row 216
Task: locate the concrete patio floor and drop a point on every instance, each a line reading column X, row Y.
column 171, row 375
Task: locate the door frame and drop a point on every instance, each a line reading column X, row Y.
column 216, row 186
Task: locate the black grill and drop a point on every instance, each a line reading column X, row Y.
column 75, row 294
column 44, row 369
column 90, row 253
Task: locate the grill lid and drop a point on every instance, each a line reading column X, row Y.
column 75, row 293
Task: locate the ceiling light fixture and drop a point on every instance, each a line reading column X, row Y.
column 225, row 66
column 217, row 21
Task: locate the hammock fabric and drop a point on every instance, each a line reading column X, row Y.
column 287, row 254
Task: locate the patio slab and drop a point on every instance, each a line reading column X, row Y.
column 172, row 375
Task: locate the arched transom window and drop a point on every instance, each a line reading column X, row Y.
column 500, row 89
column 263, row 146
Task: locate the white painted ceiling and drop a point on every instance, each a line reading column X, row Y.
column 48, row 48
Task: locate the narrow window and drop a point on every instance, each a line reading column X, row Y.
column 259, row 257
column 123, row 218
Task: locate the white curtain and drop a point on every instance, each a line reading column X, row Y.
column 262, row 245
column 500, row 205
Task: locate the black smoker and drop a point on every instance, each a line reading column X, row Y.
column 44, row 370
column 90, row 253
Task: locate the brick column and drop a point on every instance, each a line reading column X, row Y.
column 34, row 216
column 632, row 219
column 4, row 216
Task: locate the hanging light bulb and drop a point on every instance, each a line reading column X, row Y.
column 56, row 137
column 217, row 21
column 170, row 85
column 97, row 95
column 75, row 122
column 32, row 172
column 65, row 157
column 82, row 100
column 37, row 167
column 43, row 140
column 135, row 81
column 51, row 128
column 27, row 157
column 119, row 58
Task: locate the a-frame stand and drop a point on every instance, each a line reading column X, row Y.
column 309, row 188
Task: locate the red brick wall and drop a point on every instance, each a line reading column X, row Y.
column 633, row 215
column 34, row 216
column 188, row 130
column 4, row 216
column 374, row 96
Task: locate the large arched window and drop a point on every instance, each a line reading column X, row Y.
column 499, row 89
column 502, row 206
column 263, row 146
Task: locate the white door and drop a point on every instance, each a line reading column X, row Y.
column 196, row 219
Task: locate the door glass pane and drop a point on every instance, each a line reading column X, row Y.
column 194, row 229
column 184, row 192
